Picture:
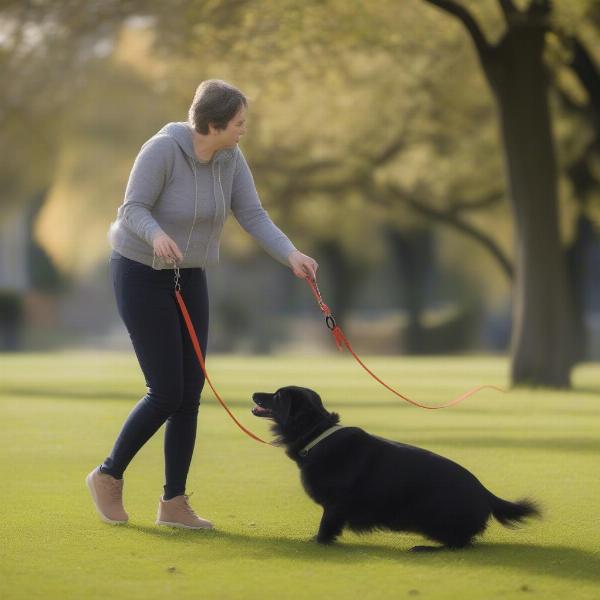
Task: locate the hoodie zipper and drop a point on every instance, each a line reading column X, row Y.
column 210, row 237
column 195, row 211
column 224, row 209
column 222, row 195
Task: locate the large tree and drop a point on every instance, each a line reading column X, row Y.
column 543, row 338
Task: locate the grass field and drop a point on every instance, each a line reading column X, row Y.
column 61, row 412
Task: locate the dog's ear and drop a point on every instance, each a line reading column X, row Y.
column 315, row 400
column 282, row 406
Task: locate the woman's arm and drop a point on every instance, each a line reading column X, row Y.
column 247, row 209
column 146, row 181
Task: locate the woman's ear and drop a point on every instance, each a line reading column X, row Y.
column 212, row 130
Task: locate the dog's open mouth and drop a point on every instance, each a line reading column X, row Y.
column 259, row 409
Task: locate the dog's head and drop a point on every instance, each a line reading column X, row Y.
column 295, row 410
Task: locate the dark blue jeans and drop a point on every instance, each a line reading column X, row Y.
column 146, row 302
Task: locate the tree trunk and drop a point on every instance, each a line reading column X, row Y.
column 413, row 252
column 343, row 276
column 542, row 342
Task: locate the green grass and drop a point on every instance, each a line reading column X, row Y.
column 61, row 412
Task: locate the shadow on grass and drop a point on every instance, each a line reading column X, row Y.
column 71, row 394
column 237, row 403
column 560, row 561
column 96, row 393
column 585, row 390
column 492, row 406
column 560, row 444
column 462, row 438
column 102, row 394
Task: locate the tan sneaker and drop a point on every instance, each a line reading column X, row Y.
column 107, row 493
column 177, row 512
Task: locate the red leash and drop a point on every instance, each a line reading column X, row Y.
column 342, row 340
column 196, row 344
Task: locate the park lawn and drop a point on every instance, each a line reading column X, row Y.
column 61, row 412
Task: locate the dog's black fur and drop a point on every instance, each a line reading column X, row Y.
column 366, row 482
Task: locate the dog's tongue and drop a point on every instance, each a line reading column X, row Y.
column 259, row 411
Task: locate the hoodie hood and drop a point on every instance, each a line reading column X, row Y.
column 181, row 132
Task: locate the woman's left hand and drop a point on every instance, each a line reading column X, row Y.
column 303, row 265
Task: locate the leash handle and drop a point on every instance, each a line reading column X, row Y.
column 198, row 350
column 342, row 340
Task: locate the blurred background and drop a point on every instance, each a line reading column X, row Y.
column 398, row 143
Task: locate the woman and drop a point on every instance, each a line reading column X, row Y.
column 184, row 182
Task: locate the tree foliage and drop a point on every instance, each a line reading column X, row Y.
column 365, row 117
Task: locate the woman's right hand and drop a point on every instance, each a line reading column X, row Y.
column 166, row 248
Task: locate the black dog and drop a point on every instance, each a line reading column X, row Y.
column 367, row 482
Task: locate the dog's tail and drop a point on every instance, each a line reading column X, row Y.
column 510, row 514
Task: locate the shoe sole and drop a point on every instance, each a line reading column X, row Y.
column 88, row 481
column 182, row 526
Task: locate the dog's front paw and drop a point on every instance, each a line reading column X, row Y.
column 322, row 540
column 426, row 548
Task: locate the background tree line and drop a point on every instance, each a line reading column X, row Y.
column 373, row 128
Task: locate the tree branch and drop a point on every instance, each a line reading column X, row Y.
column 390, row 151
column 540, row 8
column 397, row 144
column 448, row 218
column 482, row 203
column 587, row 72
column 360, row 181
column 509, row 10
column 467, row 19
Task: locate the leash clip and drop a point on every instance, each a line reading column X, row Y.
column 330, row 322
column 177, row 278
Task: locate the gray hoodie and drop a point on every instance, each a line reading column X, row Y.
column 171, row 191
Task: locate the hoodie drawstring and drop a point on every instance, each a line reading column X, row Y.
column 195, row 210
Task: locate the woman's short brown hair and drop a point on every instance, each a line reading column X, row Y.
column 215, row 102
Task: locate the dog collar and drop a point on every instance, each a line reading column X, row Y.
column 318, row 439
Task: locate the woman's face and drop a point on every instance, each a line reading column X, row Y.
column 235, row 129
